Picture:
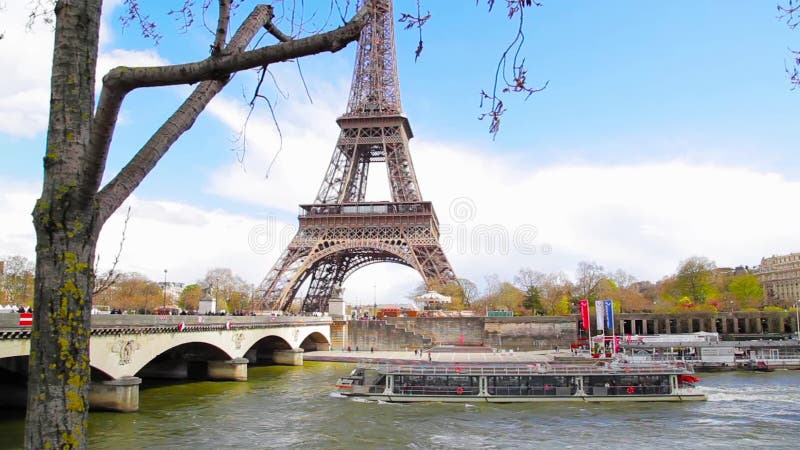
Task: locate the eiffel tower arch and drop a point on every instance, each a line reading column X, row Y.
column 341, row 232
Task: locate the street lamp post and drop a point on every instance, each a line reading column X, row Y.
column 165, row 288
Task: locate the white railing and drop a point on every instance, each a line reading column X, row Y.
column 540, row 369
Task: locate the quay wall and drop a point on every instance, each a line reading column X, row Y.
column 378, row 335
column 444, row 331
column 529, row 333
column 519, row 333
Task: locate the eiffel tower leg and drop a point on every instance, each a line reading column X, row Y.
column 434, row 267
column 357, row 182
column 402, row 178
column 326, row 276
column 281, row 278
column 332, row 185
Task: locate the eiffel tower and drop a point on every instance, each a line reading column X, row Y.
column 340, row 232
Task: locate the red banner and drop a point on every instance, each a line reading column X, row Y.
column 585, row 314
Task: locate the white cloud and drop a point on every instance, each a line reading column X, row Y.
column 183, row 239
column 26, row 55
column 16, row 204
column 640, row 218
column 643, row 218
column 309, row 134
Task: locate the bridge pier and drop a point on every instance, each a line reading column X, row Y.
column 121, row 395
column 234, row 369
column 291, row 357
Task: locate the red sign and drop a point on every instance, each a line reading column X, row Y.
column 25, row 319
column 585, row 314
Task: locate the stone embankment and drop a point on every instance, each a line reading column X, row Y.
column 407, row 334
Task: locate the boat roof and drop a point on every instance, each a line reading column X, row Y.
column 540, row 369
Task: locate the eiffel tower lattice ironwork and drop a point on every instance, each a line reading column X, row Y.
column 340, row 232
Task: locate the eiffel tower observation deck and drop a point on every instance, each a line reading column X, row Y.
column 341, row 232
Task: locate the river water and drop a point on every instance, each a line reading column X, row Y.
column 282, row 407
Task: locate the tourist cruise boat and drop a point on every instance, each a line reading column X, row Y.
column 535, row 382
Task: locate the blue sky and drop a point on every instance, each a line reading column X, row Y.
column 667, row 130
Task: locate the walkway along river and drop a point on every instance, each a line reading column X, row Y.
column 281, row 407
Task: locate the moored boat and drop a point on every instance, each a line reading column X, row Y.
column 512, row 383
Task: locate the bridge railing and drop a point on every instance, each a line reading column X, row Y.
column 10, row 321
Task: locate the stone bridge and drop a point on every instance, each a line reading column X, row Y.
column 125, row 349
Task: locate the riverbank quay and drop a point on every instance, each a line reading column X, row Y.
column 710, row 357
column 532, row 333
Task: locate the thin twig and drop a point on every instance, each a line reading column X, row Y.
column 111, row 277
column 417, row 21
column 515, row 79
column 303, row 79
column 134, row 14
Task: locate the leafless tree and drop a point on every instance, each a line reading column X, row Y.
column 588, row 278
column 73, row 205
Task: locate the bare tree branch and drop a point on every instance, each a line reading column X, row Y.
column 136, row 77
column 222, row 27
column 273, row 30
column 119, row 188
column 214, row 74
column 112, row 96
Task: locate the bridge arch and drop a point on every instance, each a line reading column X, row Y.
column 187, row 360
column 315, row 341
column 262, row 350
column 126, row 355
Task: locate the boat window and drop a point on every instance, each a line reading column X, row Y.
column 379, row 385
column 436, row 385
column 627, row 385
column 531, row 385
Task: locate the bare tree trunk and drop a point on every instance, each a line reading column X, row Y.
column 70, row 213
column 66, row 235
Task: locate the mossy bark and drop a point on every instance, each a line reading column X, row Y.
column 66, row 234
